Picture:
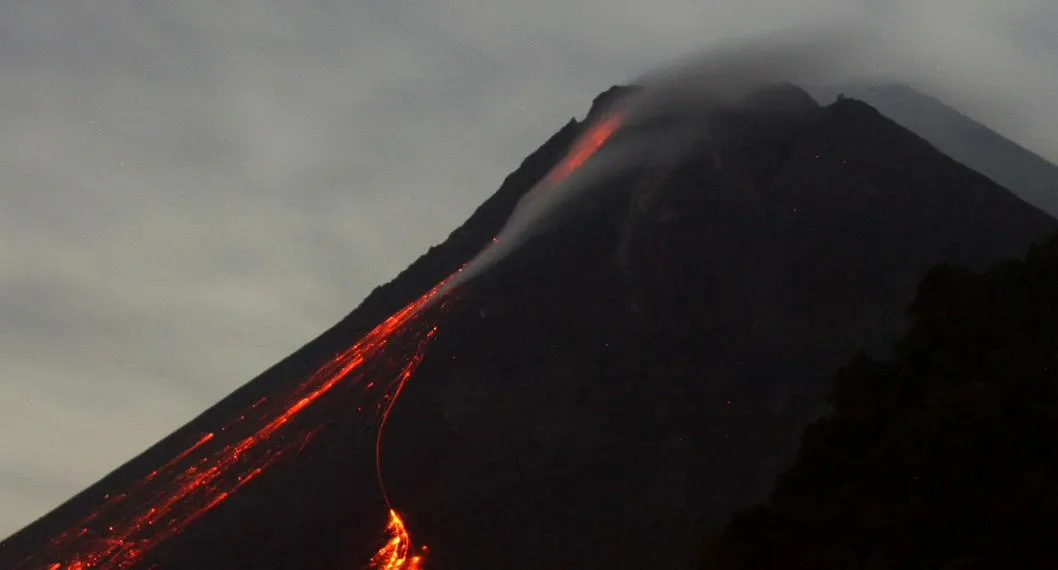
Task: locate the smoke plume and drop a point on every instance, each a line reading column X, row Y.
column 668, row 111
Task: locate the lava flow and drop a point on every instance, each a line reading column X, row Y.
column 396, row 554
column 127, row 527
column 586, row 147
column 196, row 481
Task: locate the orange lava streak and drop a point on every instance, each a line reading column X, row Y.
column 401, row 382
column 169, row 499
column 202, row 441
column 396, row 554
column 172, row 497
column 586, row 146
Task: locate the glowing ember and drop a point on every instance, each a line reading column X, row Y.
column 218, row 464
column 396, row 554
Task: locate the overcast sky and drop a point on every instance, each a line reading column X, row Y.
column 191, row 190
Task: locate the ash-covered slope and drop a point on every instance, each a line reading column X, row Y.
column 1028, row 175
column 621, row 383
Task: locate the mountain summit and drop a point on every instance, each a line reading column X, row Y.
column 604, row 396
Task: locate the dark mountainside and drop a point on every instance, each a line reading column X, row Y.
column 618, row 386
column 1029, row 176
column 943, row 456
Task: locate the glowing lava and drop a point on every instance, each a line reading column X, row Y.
column 396, row 554
column 218, row 464
column 207, row 473
column 586, row 146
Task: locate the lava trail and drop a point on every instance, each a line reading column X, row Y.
column 585, row 147
column 126, row 527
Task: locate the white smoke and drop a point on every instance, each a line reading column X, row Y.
column 684, row 92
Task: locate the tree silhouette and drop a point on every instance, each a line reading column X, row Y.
column 944, row 457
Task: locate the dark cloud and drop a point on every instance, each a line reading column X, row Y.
column 194, row 189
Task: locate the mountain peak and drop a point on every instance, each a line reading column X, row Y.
column 782, row 94
column 603, row 100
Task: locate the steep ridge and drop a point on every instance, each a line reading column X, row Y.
column 1028, row 175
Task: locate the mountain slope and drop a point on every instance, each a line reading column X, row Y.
column 625, row 380
column 1029, row 176
column 436, row 263
column 643, row 401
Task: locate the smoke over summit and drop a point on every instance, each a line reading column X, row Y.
column 667, row 111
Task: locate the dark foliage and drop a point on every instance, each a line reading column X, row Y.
column 943, row 457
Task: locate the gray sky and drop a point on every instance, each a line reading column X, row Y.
column 191, row 190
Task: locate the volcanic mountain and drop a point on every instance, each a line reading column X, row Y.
column 602, row 397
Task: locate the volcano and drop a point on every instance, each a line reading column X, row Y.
column 602, row 397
